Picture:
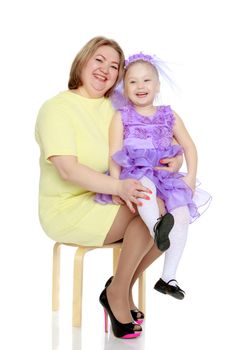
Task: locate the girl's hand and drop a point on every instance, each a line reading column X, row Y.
column 190, row 182
column 130, row 190
column 117, row 200
column 171, row 164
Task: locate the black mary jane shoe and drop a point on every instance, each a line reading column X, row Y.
column 120, row 330
column 137, row 315
column 162, row 229
column 166, row 288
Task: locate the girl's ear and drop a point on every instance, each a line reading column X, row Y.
column 158, row 87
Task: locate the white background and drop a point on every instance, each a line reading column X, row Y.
column 39, row 40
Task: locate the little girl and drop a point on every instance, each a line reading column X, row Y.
column 141, row 134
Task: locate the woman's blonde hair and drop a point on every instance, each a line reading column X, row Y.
column 86, row 53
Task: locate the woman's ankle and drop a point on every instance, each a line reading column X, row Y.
column 131, row 301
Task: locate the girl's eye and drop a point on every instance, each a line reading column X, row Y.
column 146, row 80
column 132, row 82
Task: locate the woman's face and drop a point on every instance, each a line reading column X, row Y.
column 100, row 72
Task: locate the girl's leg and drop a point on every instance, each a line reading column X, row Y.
column 149, row 211
column 136, row 244
column 178, row 237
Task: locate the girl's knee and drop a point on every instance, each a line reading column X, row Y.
column 181, row 215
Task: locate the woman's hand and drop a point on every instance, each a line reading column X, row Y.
column 117, row 200
column 172, row 164
column 130, row 191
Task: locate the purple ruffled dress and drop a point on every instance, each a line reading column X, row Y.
column 147, row 140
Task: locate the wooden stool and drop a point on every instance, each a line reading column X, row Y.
column 78, row 278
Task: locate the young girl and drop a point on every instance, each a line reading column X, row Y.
column 141, row 134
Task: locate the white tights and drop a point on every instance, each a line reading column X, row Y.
column 149, row 213
column 178, row 237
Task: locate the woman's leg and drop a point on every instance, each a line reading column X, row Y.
column 120, row 224
column 136, row 244
column 148, row 259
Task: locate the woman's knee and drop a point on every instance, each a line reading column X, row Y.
column 138, row 230
column 120, row 224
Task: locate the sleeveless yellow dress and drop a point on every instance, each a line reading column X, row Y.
column 69, row 124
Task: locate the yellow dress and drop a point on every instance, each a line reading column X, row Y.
column 69, row 124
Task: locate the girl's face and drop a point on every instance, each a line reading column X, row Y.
column 141, row 84
column 100, row 72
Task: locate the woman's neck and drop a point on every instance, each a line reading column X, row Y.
column 81, row 91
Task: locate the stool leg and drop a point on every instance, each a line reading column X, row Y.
column 78, row 286
column 56, row 276
column 141, row 292
column 116, row 253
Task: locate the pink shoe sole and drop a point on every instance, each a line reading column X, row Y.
column 139, row 321
column 129, row 336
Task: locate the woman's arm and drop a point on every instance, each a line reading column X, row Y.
column 74, row 172
column 190, row 152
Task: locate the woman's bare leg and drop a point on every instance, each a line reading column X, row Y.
column 148, row 259
column 137, row 242
column 120, row 224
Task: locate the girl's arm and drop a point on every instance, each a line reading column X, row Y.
column 171, row 164
column 115, row 144
column 190, row 152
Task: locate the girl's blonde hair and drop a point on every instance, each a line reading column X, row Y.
column 86, row 53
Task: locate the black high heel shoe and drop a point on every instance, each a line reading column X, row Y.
column 162, row 229
column 137, row 318
column 120, row 330
column 135, row 312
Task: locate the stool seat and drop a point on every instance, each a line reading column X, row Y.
column 78, row 278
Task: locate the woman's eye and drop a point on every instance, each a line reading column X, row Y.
column 114, row 67
column 99, row 60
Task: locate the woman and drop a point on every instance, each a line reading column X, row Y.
column 72, row 132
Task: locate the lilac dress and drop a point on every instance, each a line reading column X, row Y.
column 147, row 140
